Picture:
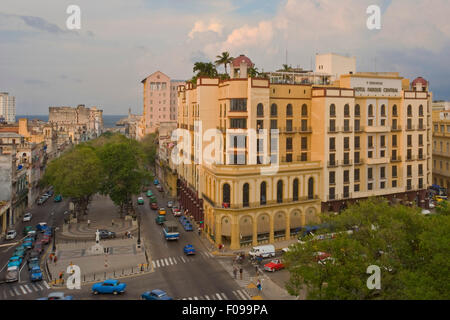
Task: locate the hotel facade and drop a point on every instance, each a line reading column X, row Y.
column 366, row 134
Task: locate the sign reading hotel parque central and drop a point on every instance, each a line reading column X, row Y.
column 376, row 87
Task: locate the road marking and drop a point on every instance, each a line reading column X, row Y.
column 154, row 265
column 195, row 298
column 225, row 297
column 16, row 291
column 218, row 295
column 175, row 260
column 170, row 260
column 11, row 293
column 167, row 263
column 23, row 290
column 4, row 295
column 189, row 298
column 238, row 294
column 157, row 263
column 207, row 298
column 182, row 258
column 246, row 294
column 28, row 288
column 35, row 287
column 46, row 284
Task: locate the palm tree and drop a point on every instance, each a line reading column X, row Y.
column 286, row 68
column 224, row 59
column 253, row 72
column 205, row 69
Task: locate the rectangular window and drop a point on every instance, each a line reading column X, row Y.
column 382, row 184
column 382, row 173
column 289, row 157
column 394, row 171
column 394, row 140
column 259, row 124
column 332, row 125
column 369, row 186
column 273, row 124
column 383, row 141
column 238, row 123
column 357, row 142
column 409, row 140
column 394, row 183
column 420, row 139
column 421, row 169
column 346, row 192
column 346, row 125
column 369, row 173
column 332, row 144
column 394, row 124
column 409, row 154
column 304, row 143
column 357, row 125
column 409, row 171
column 332, row 193
column 304, row 125
column 356, row 187
column 332, row 177
column 356, row 157
column 370, row 141
column 356, row 175
column 289, row 125
column 288, row 143
column 239, row 105
column 346, row 176
column 346, row 143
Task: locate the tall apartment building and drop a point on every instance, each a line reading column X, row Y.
column 160, row 101
column 7, row 108
column 367, row 134
column 441, row 144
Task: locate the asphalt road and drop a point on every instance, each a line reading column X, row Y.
column 24, row 289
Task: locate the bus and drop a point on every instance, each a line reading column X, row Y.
column 171, row 230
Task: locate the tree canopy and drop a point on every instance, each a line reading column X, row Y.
column 412, row 251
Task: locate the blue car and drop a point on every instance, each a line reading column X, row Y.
column 186, row 223
column 14, row 261
column 155, row 295
column 28, row 245
column 155, row 182
column 189, row 249
column 19, row 252
column 33, row 262
column 41, row 226
column 109, row 286
column 36, row 273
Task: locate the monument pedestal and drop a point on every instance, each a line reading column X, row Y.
column 96, row 249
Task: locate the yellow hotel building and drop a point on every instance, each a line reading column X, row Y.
column 367, row 134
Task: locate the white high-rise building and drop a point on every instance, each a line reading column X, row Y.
column 7, row 107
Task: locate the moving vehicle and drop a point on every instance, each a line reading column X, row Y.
column 12, row 274
column 14, row 261
column 156, row 294
column 155, row 182
column 263, row 251
column 170, row 229
column 19, row 252
column 105, row 234
column 42, row 200
column 28, row 244
column 274, row 265
column 160, row 219
column 38, row 247
column 41, row 226
column 159, row 188
column 140, row 200
column 109, row 286
column 27, row 217
column 162, row 211
column 149, row 193
column 154, row 206
column 57, row 296
column 322, row 257
column 57, row 198
column 11, row 235
column 32, row 262
column 170, row 204
column 186, row 223
column 27, row 229
column 36, row 274
column 176, row 211
column 189, row 249
column 46, row 239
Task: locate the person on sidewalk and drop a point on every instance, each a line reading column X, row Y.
column 241, row 271
column 235, row 272
column 89, row 223
column 258, row 285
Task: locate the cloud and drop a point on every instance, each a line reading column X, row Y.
column 200, row 27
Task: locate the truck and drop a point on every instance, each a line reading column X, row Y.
column 171, row 230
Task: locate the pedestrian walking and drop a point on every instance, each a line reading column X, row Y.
column 55, row 259
column 257, row 270
column 258, row 285
column 89, row 223
column 235, row 272
column 112, row 222
column 199, row 231
column 241, row 271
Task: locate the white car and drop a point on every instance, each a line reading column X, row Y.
column 11, row 234
column 27, row 217
column 170, row 204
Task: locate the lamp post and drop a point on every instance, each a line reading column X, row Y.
column 53, row 233
column 139, row 229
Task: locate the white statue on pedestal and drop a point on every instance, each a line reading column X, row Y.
column 97, row 236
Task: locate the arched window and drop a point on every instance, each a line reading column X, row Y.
column 311, row 188
column 280, row 191
column 357, row 110
column 304, row 110
column 346, row 110
column 421, row 110
column 289, row 110
column 273, row 110
column 245, row 195
column 332, row 110
column 383, row 110
column 260, row 110
column 394, row 110
column 295, row 192
column 226, row 194
column 370, row 111
column 262, row 194
column 409, row 111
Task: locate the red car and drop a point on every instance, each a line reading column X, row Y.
column 46, row 239
column 176, row 212
column 154, row 206
column 323, row 257
column 274, row 265
column 38, row 247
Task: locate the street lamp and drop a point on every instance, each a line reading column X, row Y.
column 139, row 229
column 53, row 233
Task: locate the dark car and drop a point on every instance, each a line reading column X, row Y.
column 33, row 262
column 34, row 254
column 38, row 247
column 154, row 206
column 105, row 234
column 46, row 239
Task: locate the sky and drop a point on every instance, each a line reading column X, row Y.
column 43, row 63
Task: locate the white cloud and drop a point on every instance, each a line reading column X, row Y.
column 200, row 27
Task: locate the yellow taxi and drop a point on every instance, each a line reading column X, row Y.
column 162, row 211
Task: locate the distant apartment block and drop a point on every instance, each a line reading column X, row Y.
column 160, row 101
column 7, row 108
column 441, row 144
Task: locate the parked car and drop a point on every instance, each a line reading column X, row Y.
column 109, row 286
column 105, row 234
column 11, row 235
column 155, row 182
column 156, row 294
column 140, row 200
column 12, row 274
column 14, row 261
column 33, row 262
column 38, row 247
column 57, row 198
column 189, row 249
column 154, row 206
column 149, row 193
column 27, row 217
column 323, row 257
column 57, row 296
column 274, row 265
column 36, row 274
column 170, row 204
column 162, row 211
column 41, row 200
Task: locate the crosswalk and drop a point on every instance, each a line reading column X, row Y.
column 24, row 289
column 171, row 261
column 237, row 295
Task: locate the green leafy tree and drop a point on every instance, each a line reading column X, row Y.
column 405, row 245
column 205, row 69
column 224, row 59
column 77, row 174
column 149, row 148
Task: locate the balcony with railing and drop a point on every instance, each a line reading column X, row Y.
column 396, row 128
column 396, row 159
column 347, row 162
column 333, row 164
